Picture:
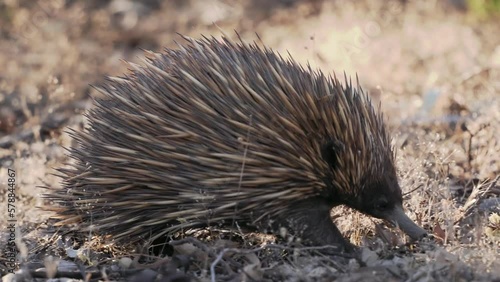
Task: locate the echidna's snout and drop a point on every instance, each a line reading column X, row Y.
column 398, row 217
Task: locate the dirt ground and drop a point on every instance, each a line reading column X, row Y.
column 433, row 66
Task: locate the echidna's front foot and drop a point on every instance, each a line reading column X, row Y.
column 310, row 221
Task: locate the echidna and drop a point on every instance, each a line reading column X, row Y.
column 219, row 132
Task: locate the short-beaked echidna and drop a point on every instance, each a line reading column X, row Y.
column 222, row 132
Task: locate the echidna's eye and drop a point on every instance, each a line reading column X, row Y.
column 382, row 204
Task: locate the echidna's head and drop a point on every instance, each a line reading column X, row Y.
column 375, row 192
column 362, row 166
column 378, row 190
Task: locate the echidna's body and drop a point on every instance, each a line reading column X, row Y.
column 220, row 132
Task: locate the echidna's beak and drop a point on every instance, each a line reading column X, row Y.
column 400, row 219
